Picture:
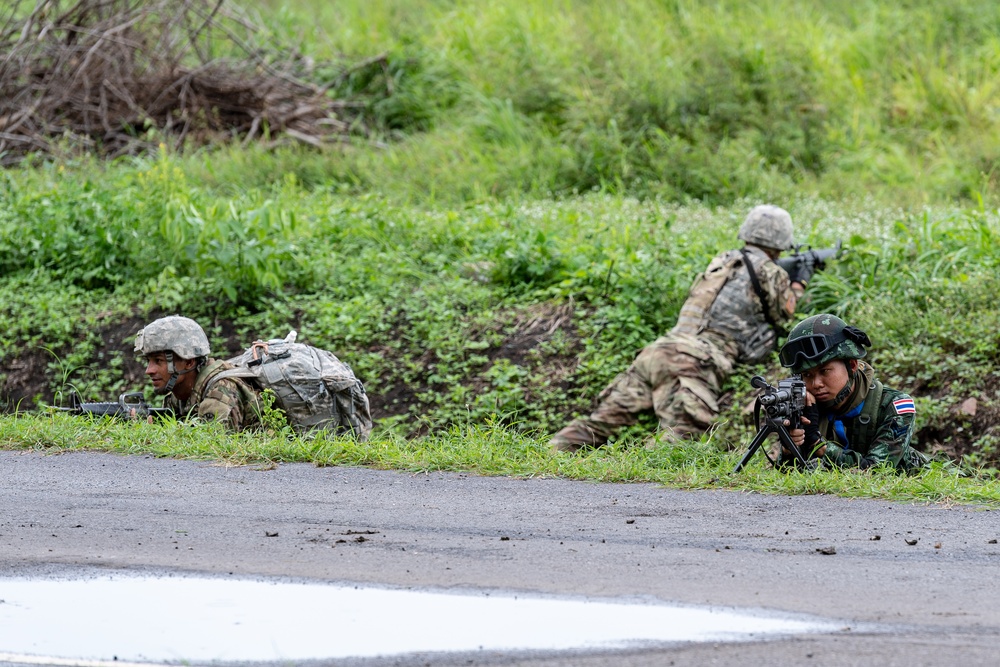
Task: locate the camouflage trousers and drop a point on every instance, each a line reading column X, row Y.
column 678, row 377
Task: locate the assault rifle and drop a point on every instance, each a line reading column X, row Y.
column 803, row 263
column 778, row 404
column 132, row 405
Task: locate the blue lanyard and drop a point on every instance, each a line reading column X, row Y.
column 838, row 424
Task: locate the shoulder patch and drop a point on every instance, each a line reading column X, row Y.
column 904, row 406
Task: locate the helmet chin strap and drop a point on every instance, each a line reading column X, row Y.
column 843, row 393
column 174, row 373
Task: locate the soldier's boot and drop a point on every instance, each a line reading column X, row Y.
column 577, row 435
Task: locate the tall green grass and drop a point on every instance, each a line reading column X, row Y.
column 679, row 99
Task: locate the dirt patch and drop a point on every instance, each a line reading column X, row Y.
column 395, row 400
column 32, row 377
column 25, row 379
column 523, row 331
column 970, row 426
column 532, row 327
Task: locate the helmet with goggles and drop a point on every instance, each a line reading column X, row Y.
column 819, row 339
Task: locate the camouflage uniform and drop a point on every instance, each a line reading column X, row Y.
column 680, row 375
column 229, row 400
column 889, row 436
column 854, row 431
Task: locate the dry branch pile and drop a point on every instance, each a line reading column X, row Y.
column 98, row 75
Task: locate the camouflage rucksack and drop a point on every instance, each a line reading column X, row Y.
column 703, row 292
column 314, row 388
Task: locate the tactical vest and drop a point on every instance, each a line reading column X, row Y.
column 693, row 317
column 869, row 413
column 861, row 429
column 723, row 300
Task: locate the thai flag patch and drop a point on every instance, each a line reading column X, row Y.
column 904, row 406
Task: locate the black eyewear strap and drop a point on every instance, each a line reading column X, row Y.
column 808, row 348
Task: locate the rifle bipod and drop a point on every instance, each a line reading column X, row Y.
column 771, row 425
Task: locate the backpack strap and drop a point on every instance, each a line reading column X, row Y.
column 238, row 372
column 759, row 291
column 869, row 413
column 211, row 375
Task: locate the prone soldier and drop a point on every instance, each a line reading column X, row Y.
column 178, row 364
column 851, row 419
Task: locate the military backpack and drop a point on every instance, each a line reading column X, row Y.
column 314, row 388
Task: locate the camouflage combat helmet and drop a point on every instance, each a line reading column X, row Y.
column 768, row 226
column 180, row 335
column 819, row 339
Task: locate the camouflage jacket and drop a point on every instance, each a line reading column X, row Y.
column 889, row 434
column 230, row 400
column 722, row 301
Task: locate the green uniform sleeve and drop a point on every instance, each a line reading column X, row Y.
column 844, row 458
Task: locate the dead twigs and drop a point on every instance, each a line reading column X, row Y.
column 120, row 76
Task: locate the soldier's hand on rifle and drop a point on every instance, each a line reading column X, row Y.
column 808, row 436
column 801, row 273
column 133, row 414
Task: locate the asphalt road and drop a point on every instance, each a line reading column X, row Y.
column 913, row 585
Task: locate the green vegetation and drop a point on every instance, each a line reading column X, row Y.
column 491, row 449
column 679, row 99
column 555, row 174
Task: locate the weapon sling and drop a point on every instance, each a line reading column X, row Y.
column 759, row 291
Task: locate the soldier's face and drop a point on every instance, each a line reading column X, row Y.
column 826, row 380
column 159, row 374
column 156, row 370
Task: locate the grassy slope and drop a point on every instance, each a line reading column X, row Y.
column 682, row 99
column 482, row 311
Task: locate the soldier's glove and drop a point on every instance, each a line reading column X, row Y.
column 802, row 272
column 811, row 412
